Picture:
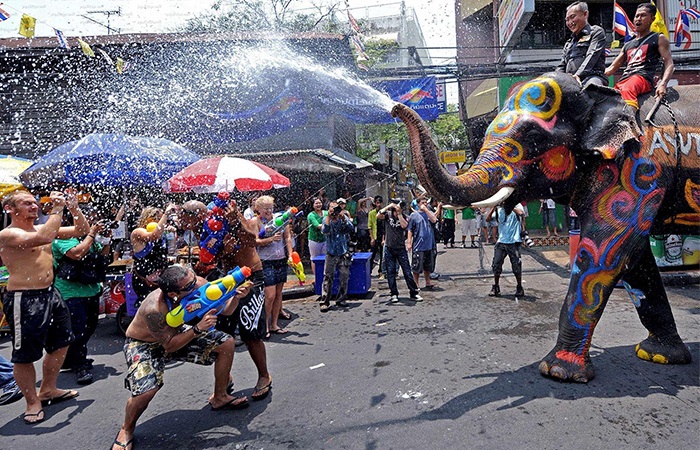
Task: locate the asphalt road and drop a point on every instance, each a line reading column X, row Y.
column 458, row 370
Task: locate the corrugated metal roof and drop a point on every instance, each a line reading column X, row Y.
column 333, row 160
column 146, row 38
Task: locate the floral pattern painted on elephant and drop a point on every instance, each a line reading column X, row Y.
column 625, row 211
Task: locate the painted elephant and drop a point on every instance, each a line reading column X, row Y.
column 583, row 147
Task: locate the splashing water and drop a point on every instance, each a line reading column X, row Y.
column 220, row 95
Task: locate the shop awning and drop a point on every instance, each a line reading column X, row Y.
column 309, row 160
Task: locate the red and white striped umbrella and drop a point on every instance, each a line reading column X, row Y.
column 225, row 173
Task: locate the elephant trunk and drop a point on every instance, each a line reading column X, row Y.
column 463, row 190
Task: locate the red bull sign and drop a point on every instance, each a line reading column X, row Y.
column 419, row 94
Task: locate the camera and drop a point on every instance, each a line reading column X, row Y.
column 336, row 211
column 398, row 201
column 107, row 224
column 526, row 239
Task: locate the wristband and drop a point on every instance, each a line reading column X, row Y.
column 197, row 331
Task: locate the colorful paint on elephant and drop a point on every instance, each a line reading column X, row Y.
column 625, row 212
column 661, row 144
column 538, row 102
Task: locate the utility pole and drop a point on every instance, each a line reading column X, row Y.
column 108, row 13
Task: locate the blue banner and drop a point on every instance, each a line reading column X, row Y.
column 284, row 112
column 364, row 106
column 418, row 94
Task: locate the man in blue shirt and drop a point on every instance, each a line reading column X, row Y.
column 509, row 240
column 421, row 241
column 337, row 227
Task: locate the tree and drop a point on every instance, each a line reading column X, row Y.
column 447, row 131
column 265, row 15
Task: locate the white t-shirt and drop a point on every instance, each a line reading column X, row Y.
column 549, row 203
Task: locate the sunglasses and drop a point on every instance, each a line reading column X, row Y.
column 190, row 286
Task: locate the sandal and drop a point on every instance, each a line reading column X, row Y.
column 284, row 315
column 35, row 415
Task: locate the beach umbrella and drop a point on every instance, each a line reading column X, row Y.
column 110, row 160
column 10, row 168
column 225, row 173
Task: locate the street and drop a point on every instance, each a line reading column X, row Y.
column 458, row 370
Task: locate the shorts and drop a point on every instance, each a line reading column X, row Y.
column 632, row 87
column 423, row 261
column 39, row 320
column 469, row 227
column 317, row 248
column 249, row 316
column 146, row 360
column 499, row 255
column 275, row 272
column 549, row 218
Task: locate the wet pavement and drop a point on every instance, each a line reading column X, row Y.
column 458, row 370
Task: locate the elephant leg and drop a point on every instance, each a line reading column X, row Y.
column 593, row 278
column 569, row 360
column 644, row 284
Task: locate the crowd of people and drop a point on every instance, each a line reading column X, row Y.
column 72, row 244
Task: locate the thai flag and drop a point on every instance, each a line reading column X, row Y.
column 4, row 15
column 682, row 31
column 61, row 38
column 622, row 24
column 353, row 23
column 608, row 52
column 692, row 12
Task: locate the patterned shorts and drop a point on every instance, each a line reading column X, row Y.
column 146, row 360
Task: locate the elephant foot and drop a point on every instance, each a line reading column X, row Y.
column 663, row 351
column 564, row 365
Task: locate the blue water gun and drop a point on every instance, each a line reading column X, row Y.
column 212, row 295
column 214, row 230
column 279, row 222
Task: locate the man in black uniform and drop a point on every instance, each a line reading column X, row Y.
column 584, row 53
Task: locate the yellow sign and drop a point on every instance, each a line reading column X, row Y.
column 455, row 156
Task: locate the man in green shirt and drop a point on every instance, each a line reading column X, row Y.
column 81, row 297
column 469, row 227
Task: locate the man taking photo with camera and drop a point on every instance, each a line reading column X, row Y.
column 396, row 222
column 337, row 227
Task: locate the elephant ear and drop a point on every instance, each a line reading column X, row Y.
column 611, row 123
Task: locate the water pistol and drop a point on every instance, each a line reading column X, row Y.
column 212, row 295
column 214, row 230
column 297, row 267
column 279, row 222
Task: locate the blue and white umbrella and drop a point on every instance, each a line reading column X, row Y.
column 110, row 160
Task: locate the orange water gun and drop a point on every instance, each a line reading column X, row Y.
column 297, row 267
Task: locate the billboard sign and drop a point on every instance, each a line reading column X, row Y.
column 513, row 15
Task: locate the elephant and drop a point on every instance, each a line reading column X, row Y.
column 585, row 148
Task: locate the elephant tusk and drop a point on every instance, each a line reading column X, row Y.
column 495, row 199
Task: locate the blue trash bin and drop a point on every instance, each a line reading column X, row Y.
column 359, row 281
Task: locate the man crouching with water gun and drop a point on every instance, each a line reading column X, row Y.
column 150, row 342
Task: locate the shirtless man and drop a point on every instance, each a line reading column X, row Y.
column 240, row 250
column 39, row 319
column 150, row 341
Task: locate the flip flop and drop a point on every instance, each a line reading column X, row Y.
column 33, row 422
column 257, row 390
column 231, row 405
column 68, row 395
column 279, row 331
column 123, row 445
column 285, row 315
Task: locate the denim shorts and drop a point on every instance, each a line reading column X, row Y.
column 275, row 272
